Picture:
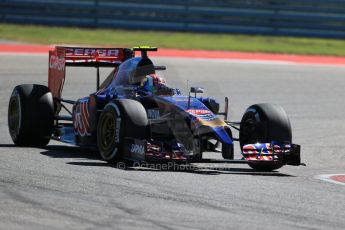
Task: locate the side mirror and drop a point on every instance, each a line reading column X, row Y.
column 196, row 90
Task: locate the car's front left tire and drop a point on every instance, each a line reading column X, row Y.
column 120, row 119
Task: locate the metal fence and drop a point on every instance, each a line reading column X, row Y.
column 318, row 18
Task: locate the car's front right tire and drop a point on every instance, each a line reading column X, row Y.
column 264, row 123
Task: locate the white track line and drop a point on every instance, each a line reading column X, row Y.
column 327, row 177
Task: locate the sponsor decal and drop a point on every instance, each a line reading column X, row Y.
column 57, row 63
column 203, row 114
column 92, row 52
column 117, row 130
column 198, row 111
column 153, row 114
column 81, row 119
column 138, row 149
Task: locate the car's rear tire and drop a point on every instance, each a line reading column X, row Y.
column 119, row 119
column 31, row 115
column 264, row 123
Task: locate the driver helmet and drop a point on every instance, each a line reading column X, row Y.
column 152, row 83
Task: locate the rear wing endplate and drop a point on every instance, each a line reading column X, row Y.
column 61, row 57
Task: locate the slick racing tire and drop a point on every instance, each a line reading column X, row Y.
column 264, row 123
column 119, row 119
column 31, row 115
column 228, row 149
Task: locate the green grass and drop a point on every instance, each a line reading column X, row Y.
column 180, row 40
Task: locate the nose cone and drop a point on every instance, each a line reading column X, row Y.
column 223, row 136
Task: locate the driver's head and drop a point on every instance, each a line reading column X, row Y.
column 152, row 83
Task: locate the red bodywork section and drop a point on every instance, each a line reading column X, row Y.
column 57, row 71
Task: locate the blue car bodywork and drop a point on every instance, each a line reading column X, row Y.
column 180, row 127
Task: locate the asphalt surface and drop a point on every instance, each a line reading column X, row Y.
column 64, row 187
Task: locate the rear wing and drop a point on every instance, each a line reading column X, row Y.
column 61, row 57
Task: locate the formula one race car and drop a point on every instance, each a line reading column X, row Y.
column 135, row 116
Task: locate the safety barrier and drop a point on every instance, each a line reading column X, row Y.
column 316, row 18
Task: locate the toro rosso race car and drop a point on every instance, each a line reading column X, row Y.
column 135, row 116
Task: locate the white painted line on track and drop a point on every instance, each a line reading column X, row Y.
column 327, row 177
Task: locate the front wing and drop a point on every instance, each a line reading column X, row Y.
column 260, row 153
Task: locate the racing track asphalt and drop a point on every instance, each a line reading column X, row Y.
column 64, row 187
